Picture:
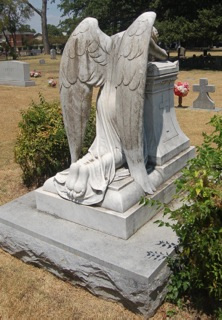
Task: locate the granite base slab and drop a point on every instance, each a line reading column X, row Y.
column 133, row 271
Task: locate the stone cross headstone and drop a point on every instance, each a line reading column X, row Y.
column 53, row 54
column 203, row 101
column 15, row 73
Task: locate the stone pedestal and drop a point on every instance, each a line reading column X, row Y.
column 164, row 138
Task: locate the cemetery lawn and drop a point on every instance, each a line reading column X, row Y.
column 30, row 293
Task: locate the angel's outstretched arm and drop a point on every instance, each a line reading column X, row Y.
column 156, row 52
column 83, row 65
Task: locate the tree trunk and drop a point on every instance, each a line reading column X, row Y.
column 13, row 50
column 43, row 15
column 44, row 27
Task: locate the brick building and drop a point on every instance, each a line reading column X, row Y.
column 22, row 38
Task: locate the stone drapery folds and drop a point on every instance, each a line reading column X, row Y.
column 118, row 65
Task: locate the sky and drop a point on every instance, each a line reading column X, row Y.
column 53, row 15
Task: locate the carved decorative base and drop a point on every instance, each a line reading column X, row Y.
column 120, row 213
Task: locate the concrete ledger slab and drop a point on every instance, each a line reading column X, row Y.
column 133, row 272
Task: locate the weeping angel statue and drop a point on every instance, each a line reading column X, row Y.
column 118, row 65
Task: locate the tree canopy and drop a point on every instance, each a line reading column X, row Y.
column 193, row 21
column 56, row 36
column 26, row 28
column 13, row 14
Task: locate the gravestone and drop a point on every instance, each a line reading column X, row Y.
column 35, row 52
column 42, row 61
column 15, row 73
column 112, row 248
column 181, row 52
column 203, row 101
column 53, row 54
column 95, row 242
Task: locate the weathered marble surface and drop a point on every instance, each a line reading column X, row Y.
column 15, row 73
column 118, row 65
column 166, row 147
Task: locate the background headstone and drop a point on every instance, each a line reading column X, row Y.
column 15, row 73
column 41, row 61
column 53, row 54
column 35, row 52
column 203, row 101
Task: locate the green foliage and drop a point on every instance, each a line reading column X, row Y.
column 13, row 13
column 113, row 16
column 201, row 27
column 56, row 36
column 197, row 268
column 53, row 30
column 41, row 148
column 175, row 21
column 26, row 28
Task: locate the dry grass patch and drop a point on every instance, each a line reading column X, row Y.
column 13, row 101
column 194, row 122
column 28, row 293
column 193, row 76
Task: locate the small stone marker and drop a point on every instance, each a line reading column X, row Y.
column 41, row 61
column 203, row 101
column 53, row 54
column 15, row 73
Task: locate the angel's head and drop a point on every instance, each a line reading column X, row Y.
column 155, row 34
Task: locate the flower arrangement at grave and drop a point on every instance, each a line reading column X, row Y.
column 52, row 82
column 181, row 90
column 35, row 74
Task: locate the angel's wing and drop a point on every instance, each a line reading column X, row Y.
column 131, row 80
column 83, row 65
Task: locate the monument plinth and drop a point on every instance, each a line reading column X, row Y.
column 119, row 213
column 164, row 138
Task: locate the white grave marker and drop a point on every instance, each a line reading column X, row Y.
column 15, row 73
column 53, row 54
column 203, row 101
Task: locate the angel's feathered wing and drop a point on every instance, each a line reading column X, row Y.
column 131, row 70
column 83, row 65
